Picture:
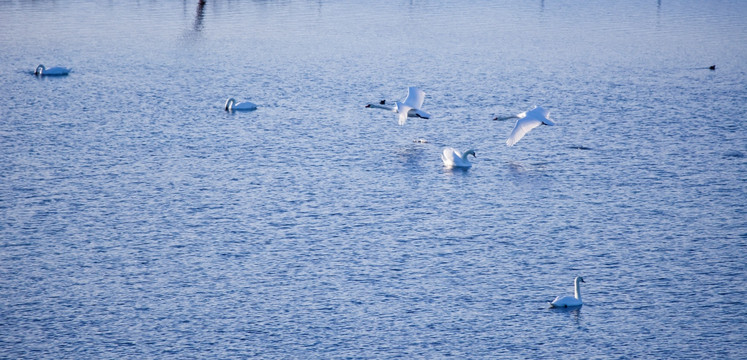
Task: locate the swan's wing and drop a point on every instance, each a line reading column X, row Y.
column 415, row 97
column 565, row 301
column 402, row 111
column 447, row 156
column 57, row 70
column 420, row 113
column 245, row 106
column 540, row 114
column 523, row 126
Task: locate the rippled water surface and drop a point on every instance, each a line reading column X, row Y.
column 140, row 220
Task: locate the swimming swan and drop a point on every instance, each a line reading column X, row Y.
column 41, row 70
column 232, row 105
column 410, row 106
column 570, row 301
column 453, row 159
column 528, row 120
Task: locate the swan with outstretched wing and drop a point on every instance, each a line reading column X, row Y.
column 409, row 107
column 527, row 121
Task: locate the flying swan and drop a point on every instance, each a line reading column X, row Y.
column 232, row 105
column 453, row 159
column 570, row 301
column 528, row 120
column 410, row 106
column 41, row 70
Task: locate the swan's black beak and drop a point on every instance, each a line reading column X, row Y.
column 495, row 118
column 368, row 106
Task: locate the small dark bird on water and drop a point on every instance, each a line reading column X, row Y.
column 713, row 67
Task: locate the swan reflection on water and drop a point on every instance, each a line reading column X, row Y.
column 193, row 33
column 573, row 312
column 199, row 16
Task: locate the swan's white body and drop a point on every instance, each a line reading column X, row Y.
column 452, row 158
column 570, row 301
column 528, row 120
column 41, row 70
column 409, row 107
column 232, row 105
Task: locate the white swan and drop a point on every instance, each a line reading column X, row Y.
column 453, row 159
column 41, row 70
column 570, row 301
column 528, row 120
column 232, row 105
column 410, row 106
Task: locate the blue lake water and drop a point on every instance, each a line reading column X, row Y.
column 140, row 220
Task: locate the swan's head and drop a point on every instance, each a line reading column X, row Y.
column 470, row 152
column 382, row 102
column 39, row 69
column 579, row 280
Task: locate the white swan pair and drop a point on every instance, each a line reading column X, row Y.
column 527, row 121
column 41, row 70
column 570, row 301
column 232, row 105
column 410, row 106
column 452, row 158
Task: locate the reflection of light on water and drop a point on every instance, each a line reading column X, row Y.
column 348, row 210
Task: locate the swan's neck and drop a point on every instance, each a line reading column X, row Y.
column 230, row 103
column 40, row 69
column 467, row 153
column 381, row 106
column 577, row 292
